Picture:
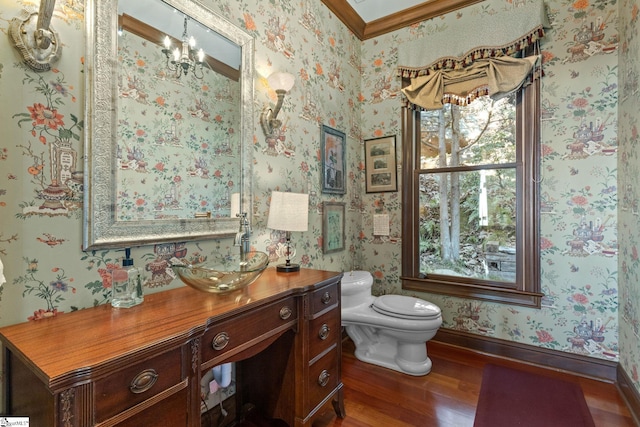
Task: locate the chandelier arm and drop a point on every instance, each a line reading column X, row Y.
column 197, row 67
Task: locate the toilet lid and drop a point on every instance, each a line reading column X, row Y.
column 405, row 307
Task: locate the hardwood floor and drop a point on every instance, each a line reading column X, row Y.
column 379, row 397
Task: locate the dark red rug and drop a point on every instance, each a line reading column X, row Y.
column 510, row 398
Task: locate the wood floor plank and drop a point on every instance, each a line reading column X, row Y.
column 447, row 397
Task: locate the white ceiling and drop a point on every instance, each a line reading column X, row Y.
column 370, row 10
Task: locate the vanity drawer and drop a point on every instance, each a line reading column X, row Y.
column 323, row 378
column 325, row 298
column 126, row 388
column 168, row 412
column 225, row 336
column 324, row 331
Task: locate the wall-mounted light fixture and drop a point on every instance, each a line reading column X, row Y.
column 34, row 38
column 180, row 60
column 281, row 83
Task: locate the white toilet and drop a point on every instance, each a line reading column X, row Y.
column 390, row 330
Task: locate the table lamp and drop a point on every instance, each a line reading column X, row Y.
column 288, row 212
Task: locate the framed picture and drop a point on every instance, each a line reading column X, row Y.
column 334, row 164
column 332, row 227
column 380, row 164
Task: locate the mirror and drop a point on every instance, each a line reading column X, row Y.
column 165, row 150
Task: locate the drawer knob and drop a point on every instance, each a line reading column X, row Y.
column 323, row 379
column 220, row 341
column 285, row 313
column 143, row 381
column 324, row 331
column 326, row 298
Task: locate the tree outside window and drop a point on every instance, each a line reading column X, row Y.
column 471, row 199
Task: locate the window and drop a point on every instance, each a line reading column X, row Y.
column 470, row 218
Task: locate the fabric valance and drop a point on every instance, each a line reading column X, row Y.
column 503, row 34
column 494, row 76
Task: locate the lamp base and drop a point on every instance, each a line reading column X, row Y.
column 288, row 268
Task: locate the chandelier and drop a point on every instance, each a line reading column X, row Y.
column 181, row 60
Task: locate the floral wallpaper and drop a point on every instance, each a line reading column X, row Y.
column 629, row 185
column 350, row 86
column 177, row 139
column 579, row 188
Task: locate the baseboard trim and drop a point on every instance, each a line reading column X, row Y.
column 629, row 393
column 590, row 367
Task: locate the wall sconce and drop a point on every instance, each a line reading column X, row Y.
column 281, row 83
column 288, row 212
column 34, row 38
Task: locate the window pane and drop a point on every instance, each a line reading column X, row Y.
column 485, row 234
column 468, row 224
column 481, row 133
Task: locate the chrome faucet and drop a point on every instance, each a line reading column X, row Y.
column 242, row 236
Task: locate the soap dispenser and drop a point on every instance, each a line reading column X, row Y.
column 126, row 284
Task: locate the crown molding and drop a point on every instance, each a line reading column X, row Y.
column 367, row 30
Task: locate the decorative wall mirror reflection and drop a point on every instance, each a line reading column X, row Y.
column 166, row 133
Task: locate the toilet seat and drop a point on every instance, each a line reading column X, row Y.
column 405, row 307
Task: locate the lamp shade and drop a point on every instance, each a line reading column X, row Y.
column 281, row 81
column 289, row 211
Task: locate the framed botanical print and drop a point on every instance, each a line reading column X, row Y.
column 332, row 227
column 334, row 164
column 380, row 164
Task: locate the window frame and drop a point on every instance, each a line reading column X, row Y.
column 527, row 290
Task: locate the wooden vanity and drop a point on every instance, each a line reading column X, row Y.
column 142, row 366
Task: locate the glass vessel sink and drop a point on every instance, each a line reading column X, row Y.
column 226, row 275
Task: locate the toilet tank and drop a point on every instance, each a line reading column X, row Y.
column 356, row 288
